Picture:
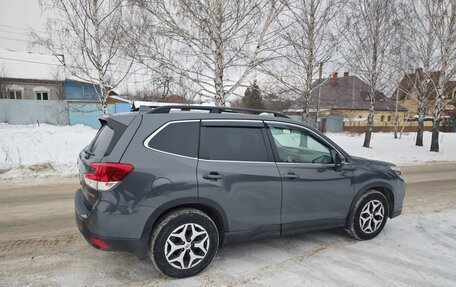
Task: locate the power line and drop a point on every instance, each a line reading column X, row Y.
column 28, row 61
column 23, row 29
column 14, row 39
column 61, row 65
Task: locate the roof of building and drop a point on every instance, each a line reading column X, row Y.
column 411, row 80
column 349, row 93
column 24, row 65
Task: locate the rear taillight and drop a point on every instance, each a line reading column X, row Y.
column 106, row 175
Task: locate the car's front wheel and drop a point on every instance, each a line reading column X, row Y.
column 369, row 215
column 183, row 243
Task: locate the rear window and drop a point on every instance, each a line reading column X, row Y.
column 178, row 138
column 100, row 143
column 233, row 143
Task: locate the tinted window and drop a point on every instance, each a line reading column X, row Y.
column 178, row 138
column 100, row 143
column 234, row 143
column 298, row 146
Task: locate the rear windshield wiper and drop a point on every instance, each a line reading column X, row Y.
column 88, row 152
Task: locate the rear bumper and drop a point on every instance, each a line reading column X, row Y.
column 87, row 223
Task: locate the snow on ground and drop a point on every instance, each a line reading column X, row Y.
column 44, row 150
column 399, row 151
column 40, row 151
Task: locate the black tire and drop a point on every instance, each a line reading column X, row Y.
column 186, row 219
column 370, row 229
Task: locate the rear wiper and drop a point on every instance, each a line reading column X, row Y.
column 88, row 152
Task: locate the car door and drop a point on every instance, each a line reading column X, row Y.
column 236, row 172
column 315, row 192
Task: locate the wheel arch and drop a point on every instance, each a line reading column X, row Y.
column 212, row 209
column 381, row 187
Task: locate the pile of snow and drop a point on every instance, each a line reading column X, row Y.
column 44, row 150
column 399, row 151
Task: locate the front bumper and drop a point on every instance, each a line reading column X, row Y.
column 89, row 227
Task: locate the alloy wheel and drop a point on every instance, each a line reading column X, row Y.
column 371, row 216
column 187, row 246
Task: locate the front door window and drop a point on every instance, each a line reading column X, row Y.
column 297, row 146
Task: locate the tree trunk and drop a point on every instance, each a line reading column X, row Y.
column 218, row 58
column 305, row 111
column 396, row 117
column 435, row 136
column 370, row 124
column 420, row 129
column 98, row 60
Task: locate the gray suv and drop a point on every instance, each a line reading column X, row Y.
column 174, row 183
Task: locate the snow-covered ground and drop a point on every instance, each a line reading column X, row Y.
column 399, row 151
column 32, row 151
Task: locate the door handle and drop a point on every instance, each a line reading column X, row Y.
column 291, row 176
column 212, row 176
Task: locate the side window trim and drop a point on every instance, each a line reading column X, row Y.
column 157, row 131
column 309, row 131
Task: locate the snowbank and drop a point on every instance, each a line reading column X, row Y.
column 399, row 151
column 45, row 150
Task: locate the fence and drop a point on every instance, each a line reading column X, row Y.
column 407, row 129
column 23, row 112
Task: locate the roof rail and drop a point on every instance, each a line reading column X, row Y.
column 212, row 109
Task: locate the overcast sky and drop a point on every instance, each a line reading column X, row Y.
column 17, row 19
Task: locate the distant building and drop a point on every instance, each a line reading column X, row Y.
column 347, row 96
column 30, row 89
column 34, row 88
column 407, row 94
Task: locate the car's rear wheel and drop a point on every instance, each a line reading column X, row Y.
column 369, row 215
column 183, row 243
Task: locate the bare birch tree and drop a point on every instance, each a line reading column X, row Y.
column 87, row 34
column 446, row 33
column 421, row 37
column 370, row 25
column 308, row 40
column 215, row 44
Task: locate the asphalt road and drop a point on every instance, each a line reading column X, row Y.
column 40, row 245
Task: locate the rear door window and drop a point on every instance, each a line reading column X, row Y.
column 177, row 138
column 100, row 143
column 233, row 144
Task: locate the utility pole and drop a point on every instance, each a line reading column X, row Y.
column 320, row 72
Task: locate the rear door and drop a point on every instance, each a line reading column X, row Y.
column 236, row 172
column 101, row 146
column 315, row 193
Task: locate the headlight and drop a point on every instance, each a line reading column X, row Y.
column 397, row 171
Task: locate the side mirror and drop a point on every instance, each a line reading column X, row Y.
column 338, row 162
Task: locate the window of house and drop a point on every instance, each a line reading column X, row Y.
column 233, row 143
column 297, row 146
column 177, row 138
column 15, row 94
column 389, row 118
column 382, row 118
column 42, row 96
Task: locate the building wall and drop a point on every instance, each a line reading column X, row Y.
column 74, row 90
column 411, row 104
column 29, row 88
column 359, row 117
